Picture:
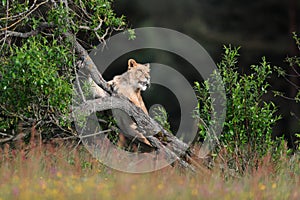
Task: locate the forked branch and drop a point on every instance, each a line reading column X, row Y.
column 175, row 148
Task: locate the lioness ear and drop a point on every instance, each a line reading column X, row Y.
column 131, row 63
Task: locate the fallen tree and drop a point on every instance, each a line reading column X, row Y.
column 62, row 23
column 172, row 147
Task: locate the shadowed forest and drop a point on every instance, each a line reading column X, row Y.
column 260, row 28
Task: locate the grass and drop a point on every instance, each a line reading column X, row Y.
column 52, row 171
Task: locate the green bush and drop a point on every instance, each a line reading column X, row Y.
column 38, row 63
column 247, row 132
column 36, row 82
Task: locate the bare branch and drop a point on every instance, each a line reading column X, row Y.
column 102, row 38
column 93, row 29
column 5, row 37
column 83, row 10
column 94, row 134
column 25, row 16
column 12, row 114
column 42, row 26
column 175, row 148
column 19, row 14
column 144, row 122
column 78, row 85
column 11, row 137
column 89, row 64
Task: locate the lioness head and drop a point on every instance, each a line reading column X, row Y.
column 139, row 74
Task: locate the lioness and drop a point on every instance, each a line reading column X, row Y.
column 129, row 84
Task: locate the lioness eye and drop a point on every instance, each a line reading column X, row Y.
column 139, row 72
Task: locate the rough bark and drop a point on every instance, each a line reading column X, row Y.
column 171, row 146
column 175, row 148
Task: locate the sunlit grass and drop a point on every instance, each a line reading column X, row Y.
column 60, row 172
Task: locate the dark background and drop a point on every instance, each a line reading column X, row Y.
column 260, row 27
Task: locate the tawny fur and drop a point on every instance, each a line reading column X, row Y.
column 129, row 84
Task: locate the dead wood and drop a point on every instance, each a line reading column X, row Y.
column 172, row 147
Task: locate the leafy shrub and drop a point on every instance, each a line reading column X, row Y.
column 247, row 132
column 36, row 82
column 38, row 62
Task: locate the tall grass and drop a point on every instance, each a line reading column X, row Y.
column 57, row 171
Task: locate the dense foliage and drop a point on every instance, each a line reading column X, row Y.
column 37, row 82
column 247, row 132
column 38, row 62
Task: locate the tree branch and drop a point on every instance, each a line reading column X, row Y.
column 7, row 139
column 24, row 17
column 175, row 148
column 89, row 64
column 42, row 26
column 149, row 126
column 19, row 14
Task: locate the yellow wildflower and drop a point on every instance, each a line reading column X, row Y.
column 195, row 192
column 133, row 187
column 59, row 174
column 78, row 189
column 261, row 186
column 43, row 185
column 160, row 186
